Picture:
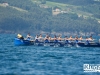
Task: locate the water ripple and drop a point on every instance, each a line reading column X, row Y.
column 34, row 60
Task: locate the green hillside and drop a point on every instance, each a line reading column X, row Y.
column 79, row 10
column 50, row 16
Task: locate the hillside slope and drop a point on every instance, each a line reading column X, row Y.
column 39, row 15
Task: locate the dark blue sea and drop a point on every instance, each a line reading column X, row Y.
column 34, row 60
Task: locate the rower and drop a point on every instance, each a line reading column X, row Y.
column 40, row 38
column 70, row 38
column 90, row 38
column 47, row 38
column 36, row 38
column 55, row 39
column 87, row 40
column 80, row 38
column 29, row 36
column 76, row 39
column 66, row 39
column 59, row 38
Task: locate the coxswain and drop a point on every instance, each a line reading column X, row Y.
column 19, row 36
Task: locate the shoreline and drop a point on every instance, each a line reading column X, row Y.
column 51, row 33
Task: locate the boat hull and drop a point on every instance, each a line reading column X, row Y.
column 88, row 44
column 64, row 44
column 19, row 42
column 54, row 44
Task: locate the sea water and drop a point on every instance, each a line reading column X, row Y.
column 42, row 60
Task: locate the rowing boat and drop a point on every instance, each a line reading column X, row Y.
column 55, row 43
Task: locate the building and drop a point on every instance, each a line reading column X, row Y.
column 5, row 4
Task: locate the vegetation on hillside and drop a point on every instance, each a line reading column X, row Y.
column 36, row 15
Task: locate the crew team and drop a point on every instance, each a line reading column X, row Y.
column 59, row 38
